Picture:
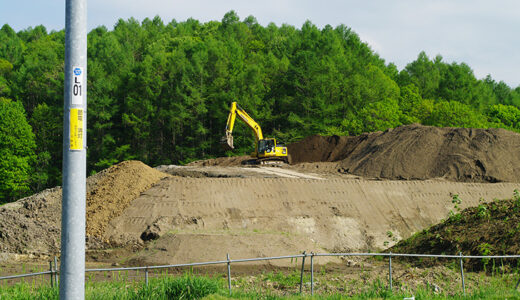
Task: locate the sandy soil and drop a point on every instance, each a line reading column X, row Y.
column 276, row 216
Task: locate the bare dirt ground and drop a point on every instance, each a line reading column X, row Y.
column 255, row 216
column 344, row 194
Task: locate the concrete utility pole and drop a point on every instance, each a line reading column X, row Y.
column 72, row 271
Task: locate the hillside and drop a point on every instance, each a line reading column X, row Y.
column 411, row 152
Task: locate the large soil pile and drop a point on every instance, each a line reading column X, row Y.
column 32, row 225
column 420, row 152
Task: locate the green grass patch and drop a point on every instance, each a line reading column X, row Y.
column 185, row 287
column 202, row 287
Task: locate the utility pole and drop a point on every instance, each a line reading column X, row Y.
column 72, row 271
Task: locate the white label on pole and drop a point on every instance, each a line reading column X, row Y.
column 77, row 86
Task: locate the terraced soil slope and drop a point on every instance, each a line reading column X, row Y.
column 197, row 219
column 214, row 207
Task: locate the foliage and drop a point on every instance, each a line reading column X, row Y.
column 491, row 228
column 160, row 92
column 185, row 287
column 16, row 150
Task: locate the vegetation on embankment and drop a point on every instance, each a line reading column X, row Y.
column 160, row 92
column 491, row 228
column 278, row 286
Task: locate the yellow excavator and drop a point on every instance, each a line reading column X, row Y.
column 266, row 149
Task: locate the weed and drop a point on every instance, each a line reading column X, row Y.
column 482, row 212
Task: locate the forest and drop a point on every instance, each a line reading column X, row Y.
column 160, row 93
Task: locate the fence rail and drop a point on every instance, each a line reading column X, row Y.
column 54, row 271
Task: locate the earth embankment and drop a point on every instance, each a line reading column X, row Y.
column 419, row 152
column 254, row 217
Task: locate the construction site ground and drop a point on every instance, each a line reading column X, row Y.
column 329, row 202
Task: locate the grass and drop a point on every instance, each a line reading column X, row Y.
column 279, row 285
column 184, row 287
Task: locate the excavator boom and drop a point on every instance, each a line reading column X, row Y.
column 234, row 112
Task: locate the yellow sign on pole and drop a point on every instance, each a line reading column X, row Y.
column 76, row 129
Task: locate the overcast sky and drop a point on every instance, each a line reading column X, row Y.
column 482, row 33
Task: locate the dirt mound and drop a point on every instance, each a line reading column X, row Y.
column 410, row 152
column 420, row 152
column 318, row 148
column 112, row 190
column 487, row 229
column 32, row 225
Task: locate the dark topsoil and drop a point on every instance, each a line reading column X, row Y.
column 489, row 229
column 419, row 152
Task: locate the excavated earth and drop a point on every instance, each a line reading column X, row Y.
column 340, row 194
column 31, row 226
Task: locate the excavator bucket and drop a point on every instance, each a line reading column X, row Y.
column 227, row 141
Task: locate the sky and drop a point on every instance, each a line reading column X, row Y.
column 481, row 33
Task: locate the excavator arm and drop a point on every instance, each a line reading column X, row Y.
column 234, row 112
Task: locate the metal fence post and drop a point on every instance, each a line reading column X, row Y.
column 229, row 273
column 146, row 275
column 52, row 274
column 56, row 270
column 312, row 273
column 462, row 274
column 390, row 271
column 301, row 275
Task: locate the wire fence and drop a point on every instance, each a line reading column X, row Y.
column 53, row 271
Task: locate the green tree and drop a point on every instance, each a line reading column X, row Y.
column 413, row 107
column 46, row 122
column 505, row 115
column 16, row 150
column 455, row 114
column 424, row 73
column 5, row 70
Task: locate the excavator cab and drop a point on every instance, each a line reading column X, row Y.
column 268, row 149
column 266, row 146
